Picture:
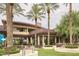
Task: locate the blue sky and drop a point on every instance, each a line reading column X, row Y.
column 55, row 16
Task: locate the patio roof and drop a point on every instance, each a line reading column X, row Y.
column 42, row 31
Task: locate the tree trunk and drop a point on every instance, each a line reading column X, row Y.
column 9, row 17
column 70, row 22
column 48, row 27
column 35, row 21
column 35, row 34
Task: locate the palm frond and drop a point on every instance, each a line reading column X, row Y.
column 49, row 6
column 35, row 12
column 16, row 9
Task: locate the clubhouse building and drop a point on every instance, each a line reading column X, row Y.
column 31, row 34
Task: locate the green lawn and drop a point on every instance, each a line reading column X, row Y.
column 51, row 52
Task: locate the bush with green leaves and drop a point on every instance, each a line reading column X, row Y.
column 1, row 45
column 10, row 50
column 59, row 44
column 71, row 46
column 17, row 42
column 48, row 45
column 2, row 52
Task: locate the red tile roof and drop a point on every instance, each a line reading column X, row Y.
column 38, row 31
column 23, row 23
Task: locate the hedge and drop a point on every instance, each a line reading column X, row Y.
column 11, row 50
column 71, row 46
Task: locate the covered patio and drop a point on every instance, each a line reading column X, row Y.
column 39, row 37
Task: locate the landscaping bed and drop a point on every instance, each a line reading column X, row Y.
column 48, row 45
column 11, row 50
column 71, row 46
column 68, row 49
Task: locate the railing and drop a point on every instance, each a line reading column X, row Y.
column 21, row 33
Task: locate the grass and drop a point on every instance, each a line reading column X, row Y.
column 51, row 52
column 2, row 52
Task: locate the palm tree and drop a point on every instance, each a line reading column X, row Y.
column 35, row 14
column 48, row 7
column 70, row 22
column 9, row 9
column 9, row 17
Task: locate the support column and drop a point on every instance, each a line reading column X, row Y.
column 55, row 40
column 59, row 40
column 35, row 39
column 27, row 30
column 38, row 40
column 63, row 41
column 43, row 40
column 27, row 40
column 31, row 40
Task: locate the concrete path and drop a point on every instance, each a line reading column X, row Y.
column 25, row 53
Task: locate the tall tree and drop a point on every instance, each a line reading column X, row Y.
column 35, row 14
column 62, row 28
column 48, row 7
column 70, row 22
column 9, row 17
column 9, row 10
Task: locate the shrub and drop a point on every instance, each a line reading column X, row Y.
column 12, row 50
column 17, row 42
column 48, row 45
column 2, row 52
column 0, row 45
column 59, row 44
column 71, row 46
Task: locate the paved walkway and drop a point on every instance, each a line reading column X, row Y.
column 27, row 53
